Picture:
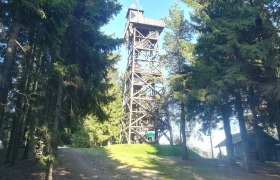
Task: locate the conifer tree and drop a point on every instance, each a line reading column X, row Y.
column 177, row 60
column 53, row 70
column 234, row 54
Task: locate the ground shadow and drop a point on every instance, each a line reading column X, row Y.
column 97, row 164
column 101, row 163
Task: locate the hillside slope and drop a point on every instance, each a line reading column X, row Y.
column 148, row 162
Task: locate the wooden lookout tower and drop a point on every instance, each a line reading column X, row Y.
column 144, row 119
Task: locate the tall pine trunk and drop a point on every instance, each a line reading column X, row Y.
column 14, row 139
column 30, row 128
column 54, row 138
column 244, row 136
column 16, row 132
column 226, row 111
column 278, row 128
column 5, row 72
column 169, row 124
column 211, row 144
column 276, row 117
column 20, row 110
column 183, row 131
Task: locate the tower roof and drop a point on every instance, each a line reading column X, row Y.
column 133, row 9
column 135, row 18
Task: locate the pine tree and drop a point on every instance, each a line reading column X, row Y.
column 54, row 69
column 177, row 60
column 103, row 132
column 234, row 54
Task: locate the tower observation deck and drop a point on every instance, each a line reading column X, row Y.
column 144, row 117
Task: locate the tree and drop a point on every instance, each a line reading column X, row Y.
column 54, row 70
column 234, row 54
column 100, row 132
column 177, row 47
column 82, row 48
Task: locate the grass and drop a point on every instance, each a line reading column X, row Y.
column 139, row 155
column 143, row 161
column 173, row 151
column 147, row 149
column 150, row 159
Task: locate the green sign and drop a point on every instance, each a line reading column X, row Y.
column 150, row 134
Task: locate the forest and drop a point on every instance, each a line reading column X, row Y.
column 59, row 84
column 230, row 71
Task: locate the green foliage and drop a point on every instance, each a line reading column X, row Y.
column 193, row 4
column 178, row 55
column 101, row 132
column 80, row 139
column 237, row 53
column 178, row 60
column 55, row 69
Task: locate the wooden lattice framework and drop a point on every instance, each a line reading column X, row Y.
column 143, row 111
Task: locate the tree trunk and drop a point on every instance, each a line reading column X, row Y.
column 5, row 73
column 227, row 129
column 183, row 132
column 54, row 138
column 19, row 117
column 244, row 136
column 169, row 124
column 29, row 134
column 170, row 137
column 18, row 129
column 259, row 142
column 276, row 118
column 30, row 124
column 170, row 133
column 211, row 143
column 26, row 149
column 257, row 130
column 49, row 170
column 10, row 143
column 278, row 128
column 14, row 140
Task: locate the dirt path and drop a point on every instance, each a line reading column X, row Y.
column 74, row 164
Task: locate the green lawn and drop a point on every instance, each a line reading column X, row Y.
column 156, row 160
column 144, row 161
